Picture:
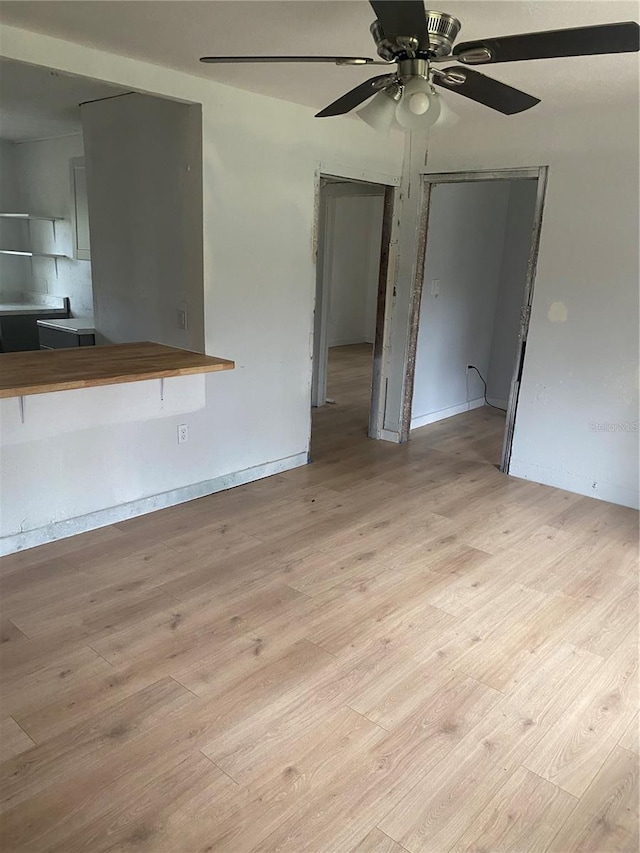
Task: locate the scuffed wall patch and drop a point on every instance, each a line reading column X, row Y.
column 558, row 313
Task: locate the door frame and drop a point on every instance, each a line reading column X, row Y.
column 324, row 210
column 429, row 181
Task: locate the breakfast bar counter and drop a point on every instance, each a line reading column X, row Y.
column 39, row 372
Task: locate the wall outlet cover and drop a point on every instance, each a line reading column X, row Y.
column 181, row 318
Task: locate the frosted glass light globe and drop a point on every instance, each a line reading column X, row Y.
column 419, row 106
column 380, row 112
column 448, row 118
column 419, row 103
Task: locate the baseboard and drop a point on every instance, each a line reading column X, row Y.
column 603, row 490
column 390, row 435
column 432, row 417
column 112, row 515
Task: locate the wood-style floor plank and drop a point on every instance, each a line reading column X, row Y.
column 13, row 739
column 10, row 633
column 167, row 815
column 396, row 649
column 606, row 817
column 444, row 802
column 630, row 739
column 524, row 816
column 86, row 744
column 335, row 818
column 377, row 842
column 574, row 749
column 281, row 789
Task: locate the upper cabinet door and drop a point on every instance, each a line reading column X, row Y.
column 79, row 210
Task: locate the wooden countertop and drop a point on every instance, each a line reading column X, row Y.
column 38, row 372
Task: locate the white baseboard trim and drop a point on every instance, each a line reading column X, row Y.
column 433, row 417
column 603, row 490
column 112, row 515
column 390, row 435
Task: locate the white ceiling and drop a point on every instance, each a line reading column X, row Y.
column 37, row 103
column 176, row 34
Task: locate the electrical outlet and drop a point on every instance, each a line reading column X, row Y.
column 183, row 433
column 181, row 318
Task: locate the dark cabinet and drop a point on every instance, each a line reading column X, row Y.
column 19, row 332
column 51, row 338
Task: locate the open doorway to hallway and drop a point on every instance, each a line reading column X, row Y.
column 350, row 301
column 479, row 262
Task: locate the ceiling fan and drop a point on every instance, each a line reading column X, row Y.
column 419, row 41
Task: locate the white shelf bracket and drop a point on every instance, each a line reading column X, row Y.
column 162, row 390
column 21, row 409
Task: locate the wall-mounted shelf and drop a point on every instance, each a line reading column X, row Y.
column 30, row 216
column 32, row 254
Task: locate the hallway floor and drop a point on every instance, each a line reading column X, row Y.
column 345, row 421
column 395, row 648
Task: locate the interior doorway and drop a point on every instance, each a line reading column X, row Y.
column 481, row 233
column 351, row 296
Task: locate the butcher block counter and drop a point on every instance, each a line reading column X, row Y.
column 42, row 371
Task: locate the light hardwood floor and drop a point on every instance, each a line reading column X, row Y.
column 392, row 649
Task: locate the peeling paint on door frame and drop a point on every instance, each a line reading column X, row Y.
column 389, row 240
column 429, row 180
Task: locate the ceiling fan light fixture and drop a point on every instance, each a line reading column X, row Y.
column 447, row 118
column 380, row 112
column 415, row 40
column 419, row 106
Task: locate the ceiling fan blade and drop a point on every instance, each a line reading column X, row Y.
column 402, row 18
column 582, row 41
column 336, row 60
column 357, row 96
column 485, row 90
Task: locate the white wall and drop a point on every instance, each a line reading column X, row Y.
column 354, row 267
column 579, row 396
column 467, row 223
column 144, row 184
column 13, row 235
column 261, row 161
column 513, row 277
column 44, row 186
column 8, row 182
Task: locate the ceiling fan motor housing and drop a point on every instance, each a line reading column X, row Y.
column 442, row 30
